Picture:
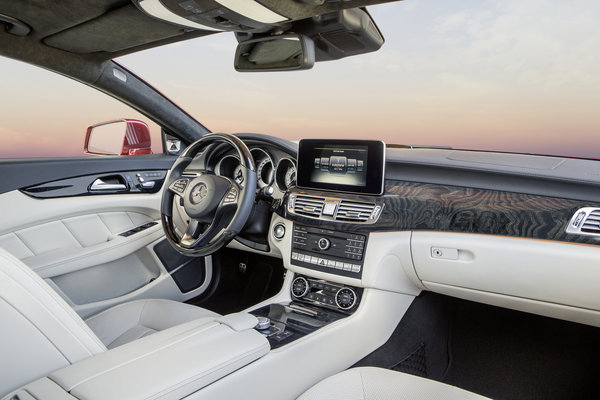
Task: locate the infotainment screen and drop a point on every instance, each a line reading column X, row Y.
column 355, row 166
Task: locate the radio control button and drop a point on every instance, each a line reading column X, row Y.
column 347, row 267
column 339, row 265
column 294, row 256
column 331, row 263
column 355, row 268
column 324, row 243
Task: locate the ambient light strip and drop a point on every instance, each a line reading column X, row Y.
column 158, row 10
column 253, row 10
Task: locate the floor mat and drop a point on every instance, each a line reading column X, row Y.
column 508, row 354
column 499, row 353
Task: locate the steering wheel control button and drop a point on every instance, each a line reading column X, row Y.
column 279, row 231
column 231, row 196
column 179, row 185
column 324, row 244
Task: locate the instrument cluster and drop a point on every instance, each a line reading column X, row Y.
column 271, row 173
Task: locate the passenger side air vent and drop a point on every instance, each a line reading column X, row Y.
column 592, row 223
column 586, row 221
column 354, row 211
column 308, row 205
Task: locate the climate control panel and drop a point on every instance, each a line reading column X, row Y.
column 325, row 294
column 334, row 252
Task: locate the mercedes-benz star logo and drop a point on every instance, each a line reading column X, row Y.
column 199, row 193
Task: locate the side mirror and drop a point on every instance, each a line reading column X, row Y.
column 125, row 137
column 275, row 53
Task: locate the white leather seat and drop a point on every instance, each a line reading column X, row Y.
column 368, row 383
column 40, row 333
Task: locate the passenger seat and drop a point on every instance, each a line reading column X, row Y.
column 368, row 383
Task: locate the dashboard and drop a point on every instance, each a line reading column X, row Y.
column 423, row 189
column 517, row 231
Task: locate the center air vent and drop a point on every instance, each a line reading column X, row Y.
column 308, row 205
column 586, row 221
column 334, row 209
column 354, row 211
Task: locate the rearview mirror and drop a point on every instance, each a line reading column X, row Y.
column 275, row 53
column 125, row 137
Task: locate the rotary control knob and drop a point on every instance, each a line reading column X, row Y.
column 324, row 243
column 263, row 323
column 345, row 298
column 300, row 287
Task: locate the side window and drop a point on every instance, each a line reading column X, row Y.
column 44, row 114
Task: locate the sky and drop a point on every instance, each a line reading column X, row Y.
column 505, row 75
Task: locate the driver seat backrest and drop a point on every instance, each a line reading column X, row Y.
column 39, row 331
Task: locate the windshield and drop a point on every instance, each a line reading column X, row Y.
column 495, row 75
column 507, row 75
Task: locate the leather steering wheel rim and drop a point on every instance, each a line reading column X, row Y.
column 208, row 196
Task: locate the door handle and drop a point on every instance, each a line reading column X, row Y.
column 99, row 185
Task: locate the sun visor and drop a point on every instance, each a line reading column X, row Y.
column 116, row 31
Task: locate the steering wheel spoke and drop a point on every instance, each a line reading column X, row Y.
column 192, row 233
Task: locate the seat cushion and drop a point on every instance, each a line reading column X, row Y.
column 369, row 383
column 129, row 321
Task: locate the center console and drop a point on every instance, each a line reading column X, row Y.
column 315, row 304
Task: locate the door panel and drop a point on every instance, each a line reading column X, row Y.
column 95, row 250
column 74, row 233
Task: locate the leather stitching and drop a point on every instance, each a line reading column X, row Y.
column 362, row 385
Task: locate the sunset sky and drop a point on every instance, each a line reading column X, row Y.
column 508, row 75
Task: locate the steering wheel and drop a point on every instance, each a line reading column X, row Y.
column 217, row 206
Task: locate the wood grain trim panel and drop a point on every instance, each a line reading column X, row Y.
column 433, row 207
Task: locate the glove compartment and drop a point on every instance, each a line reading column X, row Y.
column 545, row 277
